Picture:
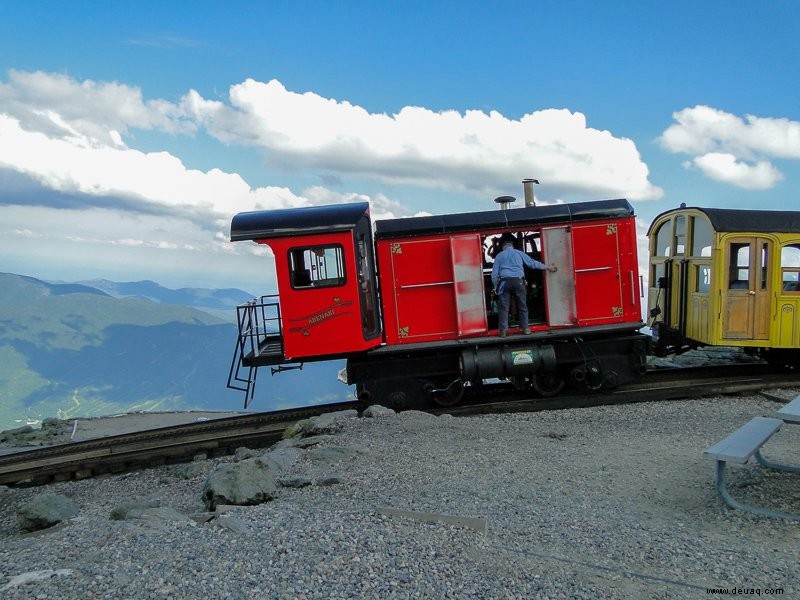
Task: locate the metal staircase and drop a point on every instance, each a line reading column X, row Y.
column 260, row 343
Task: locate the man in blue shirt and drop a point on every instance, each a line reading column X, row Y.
column 508, row 277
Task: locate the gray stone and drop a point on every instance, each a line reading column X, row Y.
column 302, row 442
column 45, row 511
column 331, row 453
column 329, row 480
column 329, row 420
column 157, row 514
column 232, row 524
column 297, row 481
column 376, row 410
column 243, row 452
column 248, row 482
column 283, row 458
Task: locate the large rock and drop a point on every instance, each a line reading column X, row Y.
column 46, row 510
column 248, row 482
column 319, row 424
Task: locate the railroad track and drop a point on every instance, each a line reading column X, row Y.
column 218, row 437
column 151, row 448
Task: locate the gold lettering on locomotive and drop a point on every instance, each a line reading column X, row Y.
column 321, row 316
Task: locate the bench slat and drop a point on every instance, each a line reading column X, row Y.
column 739, row 446
column 791, row 411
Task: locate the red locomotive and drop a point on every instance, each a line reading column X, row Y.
column 410, row 304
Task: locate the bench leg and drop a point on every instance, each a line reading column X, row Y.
column 726, row 497
column 773, row 465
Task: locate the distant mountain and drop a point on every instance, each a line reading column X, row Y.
column 210, row 300
column 73, row 350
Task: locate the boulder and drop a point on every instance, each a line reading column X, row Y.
column 248, row 482
column 376, row 410
column 46, row 510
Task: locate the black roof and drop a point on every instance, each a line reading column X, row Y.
column 758, row 221
column 500, row 219
column 260, row 224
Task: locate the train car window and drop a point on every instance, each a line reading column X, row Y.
column 703, row 279
column 790, row 268
column 701, row 237
column 764, row 263
column 316, row 266
column 664, row 240
column 739, row 267
column 657, row 273
column 680, row 235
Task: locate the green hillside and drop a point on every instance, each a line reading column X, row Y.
column 71, row 316
column 71, row 350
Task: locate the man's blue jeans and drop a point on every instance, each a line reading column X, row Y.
column 516, row 286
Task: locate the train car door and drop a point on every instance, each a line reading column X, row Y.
column 560, row 286
column 746, row 297
column 436, row 288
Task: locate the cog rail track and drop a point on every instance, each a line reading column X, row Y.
column 151, row 448
column 218, row 437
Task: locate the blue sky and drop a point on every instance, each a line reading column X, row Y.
column 131, row 132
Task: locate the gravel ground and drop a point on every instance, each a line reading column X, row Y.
column 606, row 502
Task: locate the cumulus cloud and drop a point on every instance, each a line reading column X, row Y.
column 70, row 136
column 725, row 167
column 732, row 149
column 85, row 112
column 475, row 150
column 149, row 181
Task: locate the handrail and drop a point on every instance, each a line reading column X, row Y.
column 253, row 320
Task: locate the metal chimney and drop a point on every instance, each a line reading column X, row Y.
column 505, row 201
column 530, row 197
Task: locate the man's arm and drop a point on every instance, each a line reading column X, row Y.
column 535, row 264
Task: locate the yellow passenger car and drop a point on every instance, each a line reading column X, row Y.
column 726, row 277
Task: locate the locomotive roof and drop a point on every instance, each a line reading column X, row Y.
column 284, row 222
column 758, row 221
column 499, row 219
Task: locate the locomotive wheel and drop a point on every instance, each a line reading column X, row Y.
column 548, row 384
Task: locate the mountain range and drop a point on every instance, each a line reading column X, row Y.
column 97, row 348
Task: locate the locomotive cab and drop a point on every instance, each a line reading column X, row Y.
column 324, row 265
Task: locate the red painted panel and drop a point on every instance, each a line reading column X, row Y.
column 422, row 285
column 319, row 321
column 598, row 292
column 467, row 253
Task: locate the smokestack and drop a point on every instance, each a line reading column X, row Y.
column 530, row 197
column 505, row 201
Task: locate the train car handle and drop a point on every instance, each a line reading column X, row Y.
column 593, row 269
column 419, row 285
column 633, row 289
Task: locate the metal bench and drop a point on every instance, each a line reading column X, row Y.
column 739, row 447
column 790, row 412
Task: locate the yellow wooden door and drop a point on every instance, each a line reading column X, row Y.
column 746, row 293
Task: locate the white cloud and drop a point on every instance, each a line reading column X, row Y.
column 731, row 149
column 474, row 150
column 70, row 137
column 61, row 107
column 156, row 179
column 724, row 167
column 74, row 142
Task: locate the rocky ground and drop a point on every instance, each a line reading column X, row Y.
column 605, row 502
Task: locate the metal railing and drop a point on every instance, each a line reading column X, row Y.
column 259, row 322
